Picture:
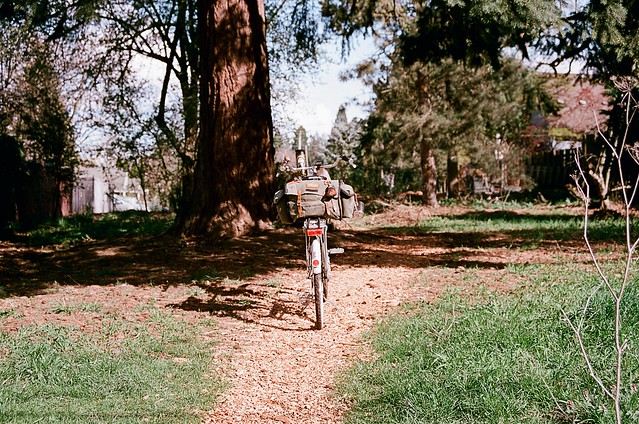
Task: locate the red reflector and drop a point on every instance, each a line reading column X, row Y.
column 314, row 231
column 315, row 262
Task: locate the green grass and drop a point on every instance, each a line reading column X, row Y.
column 69, row 309
column 481, row 222
column 158, row 371
column 552, row 226
column 496, row 359
column 503, row 358
column 5, row 313
column 86, row 228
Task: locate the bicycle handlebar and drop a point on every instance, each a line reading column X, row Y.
column 350, row 161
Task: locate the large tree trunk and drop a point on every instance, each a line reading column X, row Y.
column 429, row 174
column 233, row 180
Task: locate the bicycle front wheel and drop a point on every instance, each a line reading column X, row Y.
column 318, row 293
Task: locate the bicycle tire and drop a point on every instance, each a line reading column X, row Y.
column 326, row 267
column 325, row 288
column 318, row 294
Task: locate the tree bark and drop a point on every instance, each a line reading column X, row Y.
column 453, row 184
column 234, row 172
column 429, row 174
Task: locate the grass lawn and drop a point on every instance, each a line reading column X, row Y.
column 110, row 368
column 126, row 372
column 503, row 357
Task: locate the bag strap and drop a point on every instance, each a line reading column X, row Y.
column 339, row 199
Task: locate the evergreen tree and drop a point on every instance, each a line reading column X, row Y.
column 235, row 167
column 434, row 91
column 344, row 137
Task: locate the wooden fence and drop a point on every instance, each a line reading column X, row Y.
column 552, row 170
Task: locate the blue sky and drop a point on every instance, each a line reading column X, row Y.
column 323, row 94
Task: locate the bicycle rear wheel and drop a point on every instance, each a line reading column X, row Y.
column 318, row 294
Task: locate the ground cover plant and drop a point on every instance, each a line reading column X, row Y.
column 96, row 356
column 490, row 357
column 158, row 370
column 506, row 217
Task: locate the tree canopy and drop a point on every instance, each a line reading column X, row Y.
column 451, row 80
column 449, row 83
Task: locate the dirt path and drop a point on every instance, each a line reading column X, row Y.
column 281, row 370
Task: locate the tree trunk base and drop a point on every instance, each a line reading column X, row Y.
column 227, row 223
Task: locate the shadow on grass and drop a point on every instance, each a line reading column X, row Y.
column 163, row 260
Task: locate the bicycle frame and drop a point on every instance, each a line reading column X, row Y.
column 316, row 230
column 317, row 263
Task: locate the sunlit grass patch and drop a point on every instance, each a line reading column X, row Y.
column 532, row 228
column 494, row 358
column 125, row 372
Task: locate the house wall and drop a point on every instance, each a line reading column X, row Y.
column 96, row 192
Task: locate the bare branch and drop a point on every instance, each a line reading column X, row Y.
column 593, row 256
column 584, row 354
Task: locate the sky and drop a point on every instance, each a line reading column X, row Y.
column 323, row 94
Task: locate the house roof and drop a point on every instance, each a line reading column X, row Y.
column 583, row 103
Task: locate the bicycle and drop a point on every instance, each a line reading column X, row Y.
column 316, row 226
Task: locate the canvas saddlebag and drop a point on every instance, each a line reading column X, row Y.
column 301, row 199
column 305, row 198
column 282, row 207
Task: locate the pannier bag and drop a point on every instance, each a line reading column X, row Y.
column 344, row 205
column 282, row 207
column 303, row 199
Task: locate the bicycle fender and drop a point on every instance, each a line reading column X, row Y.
column 316, row 256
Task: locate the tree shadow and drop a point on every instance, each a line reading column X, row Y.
column 167, row 260
column 161, row 260
column 248, row 303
